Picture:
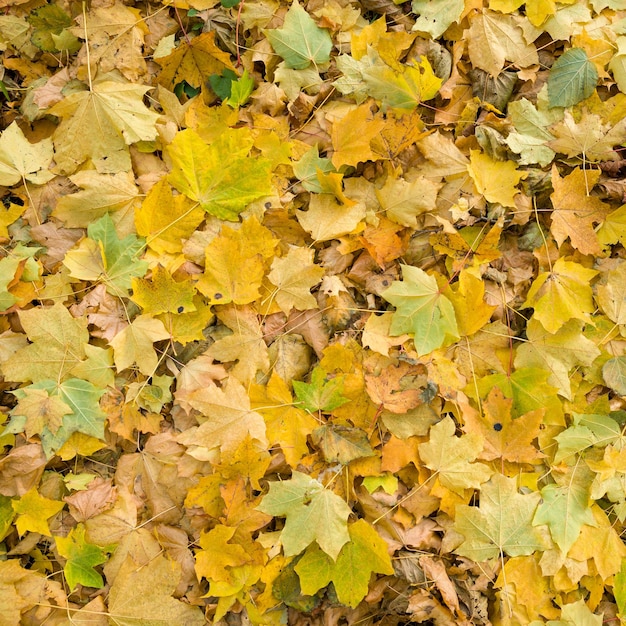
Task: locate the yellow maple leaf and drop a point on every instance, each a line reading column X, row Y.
column 99, row 194
column 468, row 299
column 165, row 220
column 246, row 344
column 41, row 411
column 287, row 425
column 404, row 201
column 293, row 276
column 562, row 294
column 235, row 263
column 34, row 511
column 226, row 417
column 163, row 294
column 352, row 134
column 193, row 61
column 495, row 180
column 117, row 110
column 327, row 219
column 133, row 345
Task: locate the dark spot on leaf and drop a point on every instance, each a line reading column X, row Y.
column 385, row 282
column 218, row 296
column 180, row 309
column 268, row 205
column 497, row 427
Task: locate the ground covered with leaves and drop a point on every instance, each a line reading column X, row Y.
column 313, row 313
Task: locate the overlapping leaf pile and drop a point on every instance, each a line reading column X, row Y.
column 313, row 312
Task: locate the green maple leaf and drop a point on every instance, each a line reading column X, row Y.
column 501, row 524
column 320, row 394
column 300, row 41
column 588, row 431
column 364, row 554
column 220, row 176
column 529, row 389
column 81, row 557
column 421, row 310
column 566, row 507
column 453, row 457
column 80, row 412
column 312, row 513
column 106, row 258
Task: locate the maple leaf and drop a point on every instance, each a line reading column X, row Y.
column 133, row 345
column 422, row 310
column 364, row 554
column 166, row 220
column 300, row 42
column 327, row 219
column 589, row 137
column 162, row 294
column 452, row 458
column 246, row 344
column 556, row 352
column 220, row 175
column 81, row 557
column 404, row 201
column 565, row 507
column 226, row 418
column 33, row 512
column 22, row 589
column 320, row 394
column 313, row 513
column 99, row 194
column 468, row 299
column 505, row 437
column 217, row 555
column 22, row 161
column 501, row 524
column 103, row 256
column 58, row 345
column 562, row 294
column 293, row 276
column 192, row 61
column 235, row 263
column 41, row 411
column 401, row 89
column 577, row 213
column 342, row 443
column 529, row 390
column 287, row 425
column 116, row 109
column 531, row 135
column 495, row 180
column 144, row 594
column 352, row 134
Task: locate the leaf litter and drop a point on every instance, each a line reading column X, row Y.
column 313, row 312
